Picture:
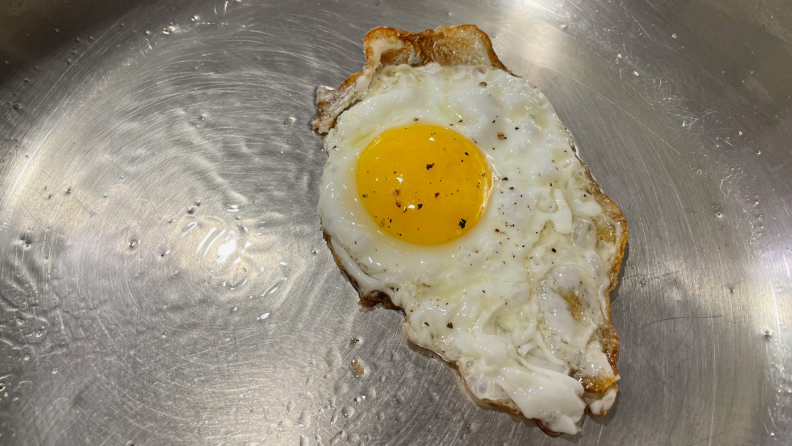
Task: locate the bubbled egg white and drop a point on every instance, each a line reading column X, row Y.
column 492, row 300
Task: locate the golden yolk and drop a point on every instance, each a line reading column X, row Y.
column 423, row 184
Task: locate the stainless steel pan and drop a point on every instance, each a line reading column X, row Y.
column 163, row 279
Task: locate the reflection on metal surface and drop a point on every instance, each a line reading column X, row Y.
column 163, row 279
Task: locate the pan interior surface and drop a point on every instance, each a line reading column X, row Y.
column 163, row 277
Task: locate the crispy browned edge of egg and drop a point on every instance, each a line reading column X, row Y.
column 468, row 45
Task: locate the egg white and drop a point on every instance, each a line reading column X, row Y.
column 490, row 301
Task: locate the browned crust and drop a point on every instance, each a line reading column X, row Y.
column 468, row 45
column 367, row 300
column 446, row 45
column 612, row 229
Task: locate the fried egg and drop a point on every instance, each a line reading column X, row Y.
column 455, row 191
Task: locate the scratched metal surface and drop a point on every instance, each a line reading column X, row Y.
column 163, row 279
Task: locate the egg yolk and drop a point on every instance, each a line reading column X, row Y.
column 423, row 184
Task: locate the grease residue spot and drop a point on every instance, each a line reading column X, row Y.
column 357, row 367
